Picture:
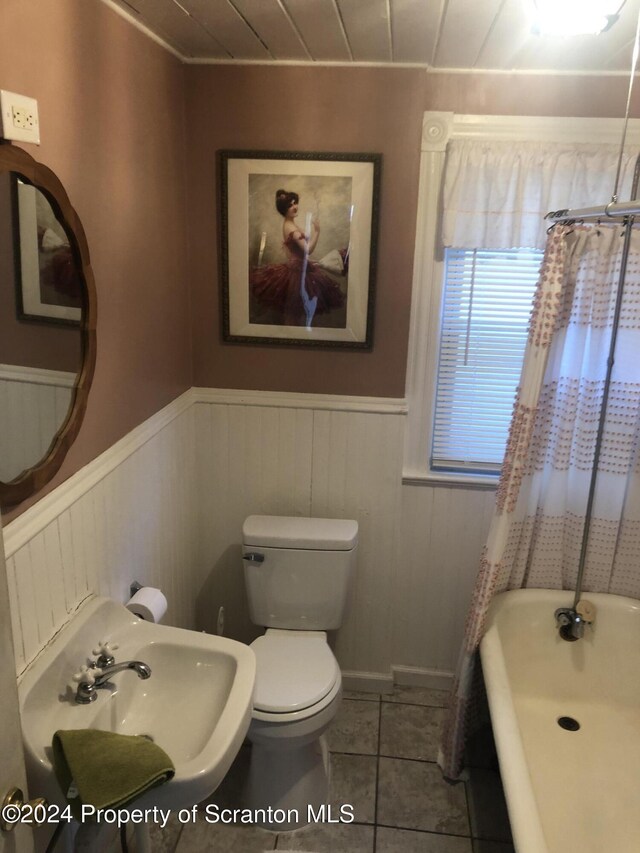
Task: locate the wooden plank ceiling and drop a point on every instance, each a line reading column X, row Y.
column 441, row 34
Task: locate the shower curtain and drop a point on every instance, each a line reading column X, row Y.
column 536, row 532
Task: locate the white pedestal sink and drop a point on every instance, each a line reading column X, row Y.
column 196, row 705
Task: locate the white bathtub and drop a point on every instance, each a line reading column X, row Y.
column 567, row 791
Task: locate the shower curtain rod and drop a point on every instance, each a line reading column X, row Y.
column 612, row 210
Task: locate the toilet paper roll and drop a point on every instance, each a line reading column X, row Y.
column 148, row 603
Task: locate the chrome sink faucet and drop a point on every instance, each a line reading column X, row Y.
column 92, row 678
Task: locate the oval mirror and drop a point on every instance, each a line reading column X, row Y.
column 47, row 325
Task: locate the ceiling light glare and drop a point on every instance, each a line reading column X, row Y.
column 574, row 17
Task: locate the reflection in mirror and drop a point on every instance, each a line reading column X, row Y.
column 39, row 357
column 47, row 320
column 48, row 282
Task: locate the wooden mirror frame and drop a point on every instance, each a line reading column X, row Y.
column 30, row 481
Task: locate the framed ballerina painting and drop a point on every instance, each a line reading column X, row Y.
column 298, row 233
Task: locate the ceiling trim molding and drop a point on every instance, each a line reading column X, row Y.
column 410, row 66
column 530, row 72
column 143, row 29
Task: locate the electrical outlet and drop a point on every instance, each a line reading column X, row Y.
column 23, row 118
column 19, row 117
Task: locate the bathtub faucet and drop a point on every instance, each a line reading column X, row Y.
column 570, row 623
column 571, row 620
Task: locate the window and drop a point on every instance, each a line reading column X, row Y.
column 487, row 181
column 485, row 315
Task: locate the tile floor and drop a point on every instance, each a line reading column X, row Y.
column 383, row 752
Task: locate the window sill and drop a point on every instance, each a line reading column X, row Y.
column 453, row 481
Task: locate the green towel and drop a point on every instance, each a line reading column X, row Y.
column 108, row 770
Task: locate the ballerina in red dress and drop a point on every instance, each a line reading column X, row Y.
column 299, row 288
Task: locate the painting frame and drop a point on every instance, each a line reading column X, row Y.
column 31, row 305
column 339, row 305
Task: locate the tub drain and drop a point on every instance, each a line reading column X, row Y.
column 568, row 723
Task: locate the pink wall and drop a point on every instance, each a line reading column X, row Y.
column 133, row 135
column 305, row 109
column 111, row 105
column 340, row 109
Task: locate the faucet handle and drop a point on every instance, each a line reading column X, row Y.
column 586, row 610
column 105, row 651
column 105, row 647
column 86, row 674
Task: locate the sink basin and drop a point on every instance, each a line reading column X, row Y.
column 196, row 705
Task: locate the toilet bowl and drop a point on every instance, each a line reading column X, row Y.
column 297, row 573
column 298, row 692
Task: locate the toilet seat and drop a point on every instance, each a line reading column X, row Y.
column 295, row 671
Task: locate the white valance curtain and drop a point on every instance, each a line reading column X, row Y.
column 496, row 194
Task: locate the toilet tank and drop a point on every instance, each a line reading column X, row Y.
column 297, row 570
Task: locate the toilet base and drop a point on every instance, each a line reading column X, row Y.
column 288, row 785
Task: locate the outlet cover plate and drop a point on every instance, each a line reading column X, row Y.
column 19, row 117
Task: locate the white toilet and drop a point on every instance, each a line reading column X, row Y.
column 297, row 573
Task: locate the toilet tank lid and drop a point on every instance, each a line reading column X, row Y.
column 320, row 534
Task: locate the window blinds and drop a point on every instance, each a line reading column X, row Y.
column 485, row 317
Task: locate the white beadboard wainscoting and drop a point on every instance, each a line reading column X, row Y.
column 273, row 455
column 166, row 504
column 33, row 406
column 129, row 514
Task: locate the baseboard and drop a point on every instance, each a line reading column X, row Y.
column 367, row 682
column 406, row 676
column 411, row 676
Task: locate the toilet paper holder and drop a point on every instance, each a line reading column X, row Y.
column 146, row 602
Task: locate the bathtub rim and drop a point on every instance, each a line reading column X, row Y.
column 524, row 816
